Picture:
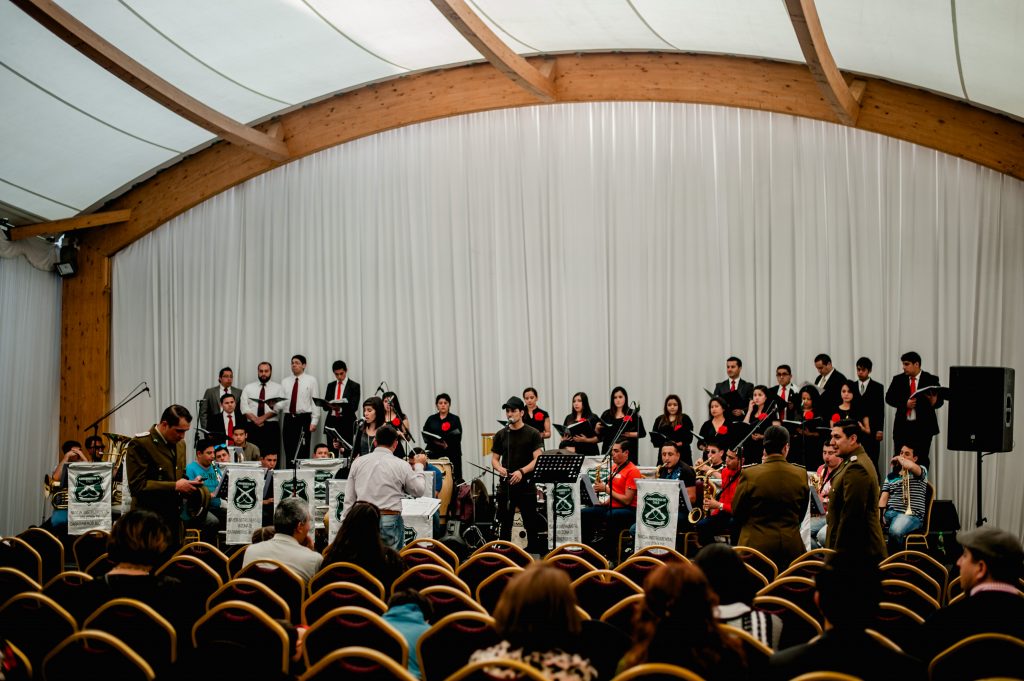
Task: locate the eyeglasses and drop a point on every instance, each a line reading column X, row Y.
column 782, row 373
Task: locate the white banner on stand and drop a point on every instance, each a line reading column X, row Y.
column 301, row 483
column 657, row 512
column 564, row 504
column 89, row 496
column 418, row 518
column 244, row 502
column 126, row 493
column 324, row 471
column 335, row 505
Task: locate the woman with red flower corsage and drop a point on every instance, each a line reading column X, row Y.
column 536, row 417
column 850, row 408
column 677, row 427
column 373, row 418
column 613, row 419
column 805, row 448
column 757, row 411
column 443, row 434
column 582, row 439
column 394, row 416
column 709, row 430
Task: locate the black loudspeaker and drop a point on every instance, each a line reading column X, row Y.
column 980, row 409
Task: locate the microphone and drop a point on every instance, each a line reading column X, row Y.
column 380, row 388
column 146, row 389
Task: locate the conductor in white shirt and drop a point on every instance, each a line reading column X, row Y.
column 384, row 480
column 292, row 542
column 300, row 414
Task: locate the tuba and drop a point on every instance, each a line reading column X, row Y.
column 115, row 455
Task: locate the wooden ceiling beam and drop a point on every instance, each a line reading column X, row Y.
column 844, row 99
column 539, row 83
column 70, row 224
column 85, row 40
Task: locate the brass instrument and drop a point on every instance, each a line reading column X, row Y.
column 815, row 480
column 906, row 490
column 57, row 497
column 198, row 502
column 115, row 455
column 706, row 489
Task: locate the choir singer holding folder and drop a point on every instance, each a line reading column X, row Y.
column 915, row 424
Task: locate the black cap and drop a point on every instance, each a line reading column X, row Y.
column 514, row 402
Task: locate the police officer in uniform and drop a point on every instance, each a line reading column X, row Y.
column 156, row 468
column 853, row 500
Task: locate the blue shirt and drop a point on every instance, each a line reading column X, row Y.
column 209, row 476
column 408, row 620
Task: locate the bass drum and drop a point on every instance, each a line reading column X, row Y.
column 447, row 486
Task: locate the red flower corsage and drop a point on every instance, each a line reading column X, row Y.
column 762, row 416
column 580, row 420
column 446, row 426
column 722, row 430
column 627, row 418
column 396, row 422
column 808, row 415
column 538, row 416
column 835, row 418
column 678, row 426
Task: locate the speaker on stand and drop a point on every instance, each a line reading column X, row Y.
column 980, row 415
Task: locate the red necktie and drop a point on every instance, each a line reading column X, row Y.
column 913, row 387
column 337, row 393
column 733, row 386
column 295, row 396
column 782, row 394
column 262, row 407
column 231, row 424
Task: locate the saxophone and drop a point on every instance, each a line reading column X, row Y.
column 706, row 490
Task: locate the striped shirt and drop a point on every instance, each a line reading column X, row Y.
column 918, row 492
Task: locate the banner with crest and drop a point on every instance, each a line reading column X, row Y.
column 244, row 502
column 335, row 505
column 301, row 484
column 89, row 496
column 564, row 503
column 657, row 512
column 324, row 471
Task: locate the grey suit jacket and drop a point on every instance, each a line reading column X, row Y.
column 211, row 403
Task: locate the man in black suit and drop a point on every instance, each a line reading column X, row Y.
column 342, row 419
column 224, row 421
column 211, row 398
column 916, row 423
column 734, row 389
column 847, row 591
column 783, row 393
column 872, row 401
column 829, row 383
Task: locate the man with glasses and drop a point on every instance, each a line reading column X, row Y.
column 94, row 448
column 783, row 393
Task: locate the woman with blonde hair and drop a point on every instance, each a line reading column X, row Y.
column 537, row 620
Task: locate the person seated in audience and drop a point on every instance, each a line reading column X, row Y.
column 411, row 614
column 847, row 591
column 538, row 622
column 292, row 543
column 990, row 572
column 896, row 522
column 359, row 542
column 140, row 542
column 736, row 588
column 675, row 624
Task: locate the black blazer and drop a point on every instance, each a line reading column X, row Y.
column 872, row 404
column 746, row 393
column 216, row 422
column 789, row 409
column 346, row 421
column 927, row 424
column 830, row 398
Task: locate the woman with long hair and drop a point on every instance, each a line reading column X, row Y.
column 534, row 416
column 373, row 418
column 585, row 442
column 618, row 417
column 676, row 426
column 736, row 588
column 394, row 416
column 675, row 624
column 539, row 625
column 805, row 448
column 712, row 429
column 359, row 542
column 850, row 408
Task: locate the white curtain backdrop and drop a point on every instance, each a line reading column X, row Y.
column 579, row 247
column 29, row 413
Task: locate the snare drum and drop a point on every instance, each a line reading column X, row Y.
column 445, row 464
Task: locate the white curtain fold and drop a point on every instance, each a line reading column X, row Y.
column 579, row 247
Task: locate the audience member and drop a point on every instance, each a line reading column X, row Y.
column 410, row 614
column 905, row 475
column 292, row 542
column 359, row 542
column 736, row 588
column 537, row 619
column 675, row 624
column 847, row 591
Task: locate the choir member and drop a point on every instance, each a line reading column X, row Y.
column 535, row 416
column 618, row 417
column 583, row 443
column 676, row 426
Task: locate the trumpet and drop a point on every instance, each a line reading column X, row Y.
column 906, row 491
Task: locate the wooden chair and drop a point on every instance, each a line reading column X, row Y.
column 761, row 580
column 622, row 613
column 813, row 554
column 49, row 548
column 954, row 590
column 209, row 554
column 18, row 554
column 356, row 627
column 17, row 665
column 480, row 566
column 245, row 628
column 665, row 554
column 480, row 671
column 808, row 569
column 762, row 563
column 436, row 547
column 884, row 640
column 978, row 657
column 422, row 576
column 445, row 648
column 601, row 589
column 604, row 645
column 897, row 623
column 489, row 592
column 574, row 566
column 33, row 622
column 70, row 590
column 340, row 595
column 91, row 655
column 506, row 548
column 583, row 551
column 826, row 676
column 656, row 671
column 757, row 653
column 14, row 582
column 349, row 573
column 141, row 628
column 797, row 626
column 637, row 568
column 923, row 562
column 919, row 538
column 446, row 600
column 252, row 592
column 199, row 579
column 796, row 590
column 236, row 560
column 101, row 566
column 280, row 579
column 413, row 556
column 914, row 575
column 355, row 662
column 909, row 596
column 88, row 547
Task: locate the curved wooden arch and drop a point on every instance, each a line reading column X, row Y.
column 906, row 113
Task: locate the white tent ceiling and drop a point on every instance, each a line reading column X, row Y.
column 73, row 135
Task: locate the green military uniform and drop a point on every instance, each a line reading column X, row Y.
column 769, row 505
column 852, row 518
column 154, row 468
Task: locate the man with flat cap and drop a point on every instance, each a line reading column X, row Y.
column 990, row 568
column 514, row 453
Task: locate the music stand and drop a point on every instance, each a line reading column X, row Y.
column 557, row 466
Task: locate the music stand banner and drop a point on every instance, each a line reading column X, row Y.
column 244, row 502
column 324, row 471
column 657, row 512
column 303, row 483
column 335, row 505
column 89, row 496
column 564, row 501
column 126, row 493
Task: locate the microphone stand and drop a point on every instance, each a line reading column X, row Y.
column 771, row 412
column 133, row 393
column 295, row 463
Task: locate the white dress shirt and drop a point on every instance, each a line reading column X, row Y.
column 308, row 389
column 251, row 393
column 384, row 480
